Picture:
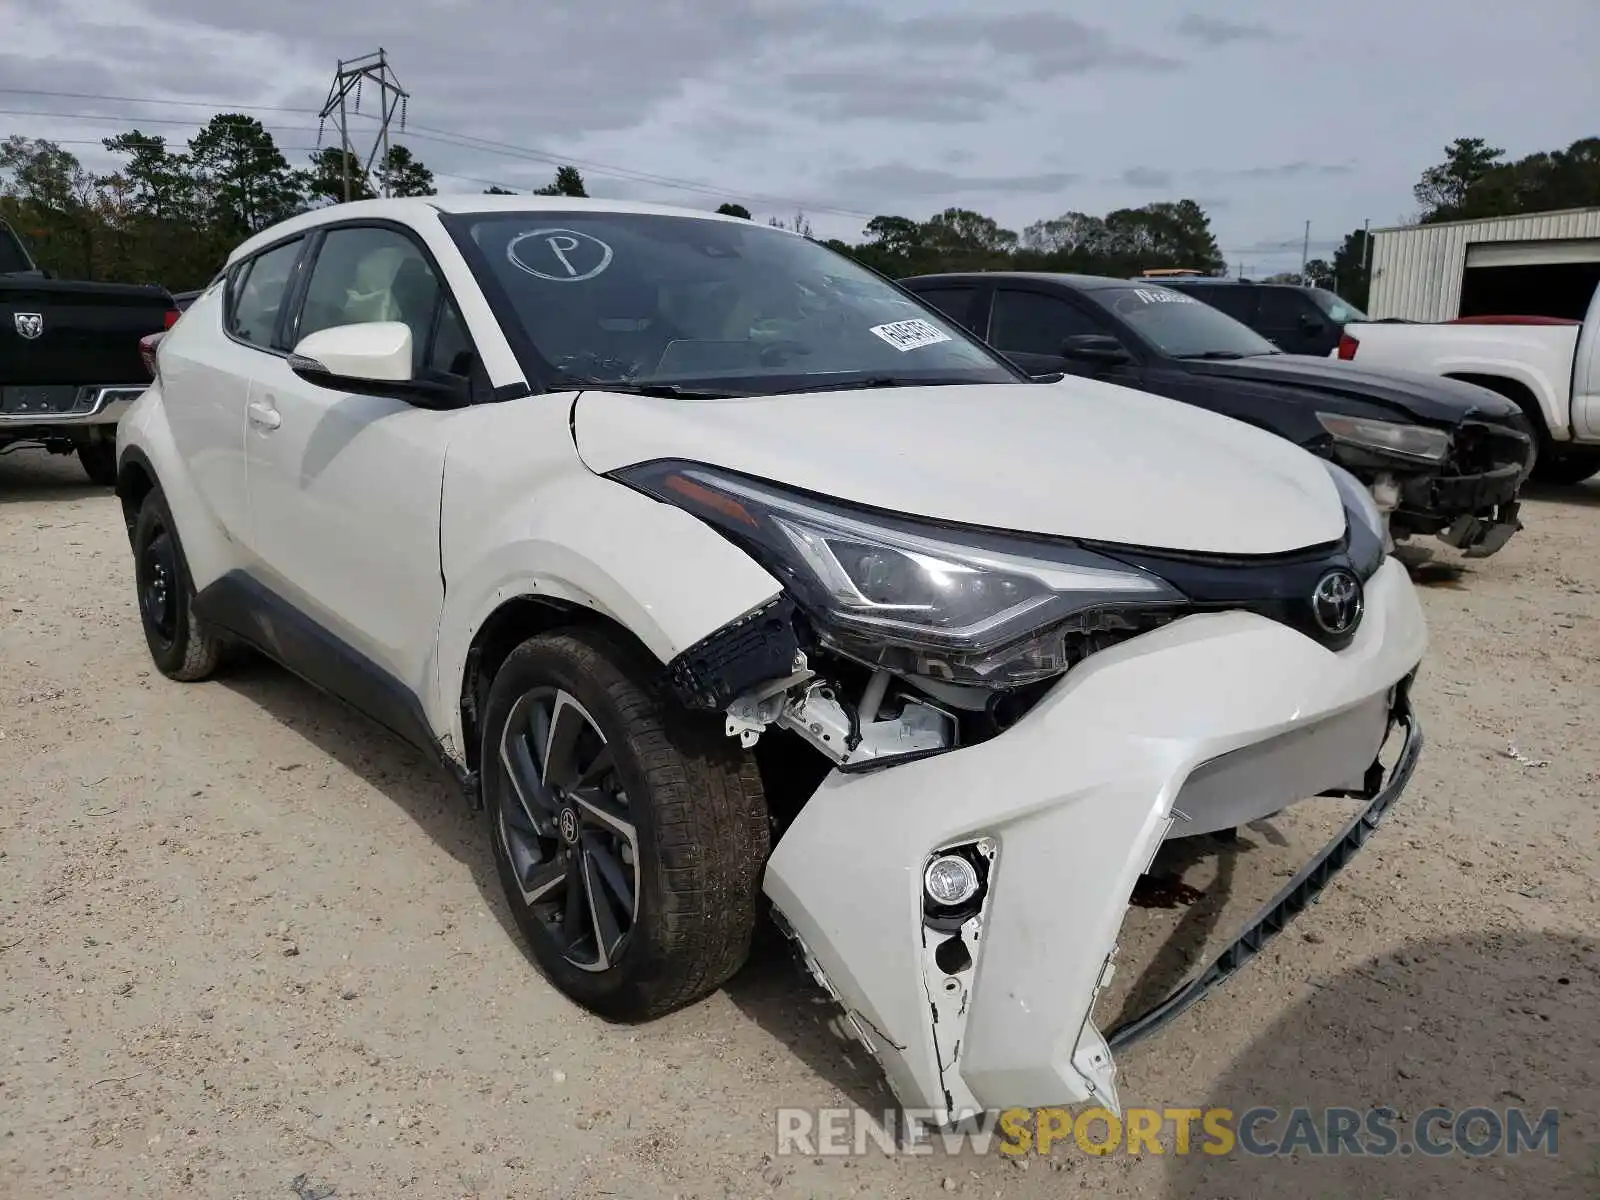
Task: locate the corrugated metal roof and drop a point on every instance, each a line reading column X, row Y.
column 1417, row 270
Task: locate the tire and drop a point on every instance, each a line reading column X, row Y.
column 182, row 648
column 1565, row 468
column 99, row 461
column 691, row 796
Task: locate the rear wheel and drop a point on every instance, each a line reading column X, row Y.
column 99, row 461
column 630, row 838
column 181, row 646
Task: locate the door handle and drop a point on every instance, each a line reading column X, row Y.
column 264, row 415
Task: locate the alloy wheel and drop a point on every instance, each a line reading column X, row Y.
column 566, row 828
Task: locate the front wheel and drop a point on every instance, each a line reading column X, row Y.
column 630, row 838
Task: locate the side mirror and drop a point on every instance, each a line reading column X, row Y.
column 371, row 359
column 1095, row 347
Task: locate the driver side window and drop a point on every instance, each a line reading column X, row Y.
column 371, row 274
column 1036, row 323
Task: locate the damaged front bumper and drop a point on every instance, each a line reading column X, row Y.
column 1472, row 503
column 1230, row 714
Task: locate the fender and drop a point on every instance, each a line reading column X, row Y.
column 145, row 439
column 524, row 524
column 1550, row 394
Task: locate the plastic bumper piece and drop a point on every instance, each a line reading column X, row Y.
column 1072, row 802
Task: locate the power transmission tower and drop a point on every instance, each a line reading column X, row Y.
column 344, row 98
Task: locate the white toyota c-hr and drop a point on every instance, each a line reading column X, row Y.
column 731, row 581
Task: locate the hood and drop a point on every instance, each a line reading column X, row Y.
column 1410, row 395
column 1073, row 459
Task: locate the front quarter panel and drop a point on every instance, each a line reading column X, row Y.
column 522, row 516
column 1276, row 410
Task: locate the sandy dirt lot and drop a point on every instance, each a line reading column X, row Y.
column 250, row 946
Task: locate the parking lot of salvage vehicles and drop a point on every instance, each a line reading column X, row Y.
column 1239, row 650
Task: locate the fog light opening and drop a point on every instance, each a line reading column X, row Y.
column 953, row 958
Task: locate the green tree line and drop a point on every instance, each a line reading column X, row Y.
column 171, row 213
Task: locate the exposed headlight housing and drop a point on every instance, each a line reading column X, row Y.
column 1417, row 443
column 990, row 610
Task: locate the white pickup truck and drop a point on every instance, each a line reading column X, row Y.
column 1550, row 367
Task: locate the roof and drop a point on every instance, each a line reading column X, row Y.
column 1508, row 218
column 1221, row 280
column 414, row 210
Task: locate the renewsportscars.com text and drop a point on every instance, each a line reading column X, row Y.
column 1261, row 1131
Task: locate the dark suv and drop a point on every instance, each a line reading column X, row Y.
column 1297, row 320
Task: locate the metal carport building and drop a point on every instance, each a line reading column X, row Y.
column 1535, row 264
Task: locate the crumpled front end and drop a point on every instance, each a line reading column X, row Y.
column 986, row 1004
column 1471, row 501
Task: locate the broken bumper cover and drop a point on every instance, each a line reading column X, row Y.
column 1073, row 802
column 1472, row 505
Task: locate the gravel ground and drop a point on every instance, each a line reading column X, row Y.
column 251, row 946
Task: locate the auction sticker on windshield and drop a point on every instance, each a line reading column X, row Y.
column 909, row 335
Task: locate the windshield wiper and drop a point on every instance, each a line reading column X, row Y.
column 873, row 382
column 1213, row 355
column 669, row 391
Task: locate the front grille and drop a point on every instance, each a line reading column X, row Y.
column 1277, row 586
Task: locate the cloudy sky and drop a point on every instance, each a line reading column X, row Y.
column 1269, row 114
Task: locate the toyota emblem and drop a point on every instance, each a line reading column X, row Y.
column 568, row 822
column 1336, row 602
column 28, row 325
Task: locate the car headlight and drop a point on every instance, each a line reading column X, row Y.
column 1416, row 442
column 992, row 610
column 1369, row 530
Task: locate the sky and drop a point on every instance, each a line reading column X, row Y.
column 1270, row 115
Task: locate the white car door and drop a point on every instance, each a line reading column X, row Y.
column 345, row 489
column 207, row 363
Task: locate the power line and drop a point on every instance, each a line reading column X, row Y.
column 426, row 133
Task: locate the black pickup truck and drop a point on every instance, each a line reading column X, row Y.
column 1441, row 457
column 69, row 357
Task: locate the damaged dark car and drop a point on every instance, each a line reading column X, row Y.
column 1442, row 458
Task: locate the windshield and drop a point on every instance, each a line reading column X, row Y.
column 1339, row 310
column 640, row 299
column 1181, row 326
